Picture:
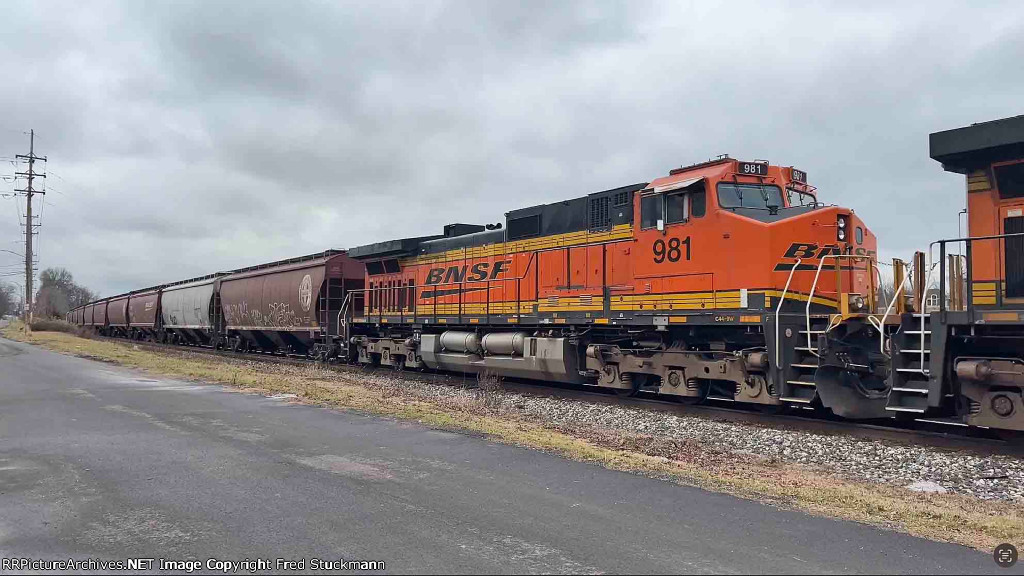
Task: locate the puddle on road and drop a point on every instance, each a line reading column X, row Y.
column 152, row 419
column 366, row 470
column 282, row 396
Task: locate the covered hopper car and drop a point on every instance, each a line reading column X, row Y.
column 285, row 306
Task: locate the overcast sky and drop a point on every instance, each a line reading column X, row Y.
column 188, row 137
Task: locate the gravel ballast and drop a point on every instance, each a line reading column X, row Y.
column 926, row 468
column 919, row 467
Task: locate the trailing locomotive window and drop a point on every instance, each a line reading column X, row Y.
column 621, row 199
column 600, row 217
column 1010, row 180
column 859, row 235
column 374, row 268
column 731, row 195
column 651, row 210
column 799, row 198
column 391, row 266
column 523, row 227
column 675, row 208
column 698, row 202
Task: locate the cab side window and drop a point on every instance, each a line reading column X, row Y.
column 675, row 208
column 651, row 210
column 698, row 202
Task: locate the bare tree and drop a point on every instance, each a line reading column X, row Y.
column 59, row 293
column 8, row 299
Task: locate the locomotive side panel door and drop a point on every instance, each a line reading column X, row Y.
column 578, row 256
column 551, row 266
column 1013, row 256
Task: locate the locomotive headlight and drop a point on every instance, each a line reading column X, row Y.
column 841, row 225
column 856, row 302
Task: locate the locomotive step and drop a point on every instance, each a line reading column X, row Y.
column 805, row 348
column 815, row 366
column 914, row 371
column 800, row 383
column 910, row 390
column 918, row 351
column 918, row 332
column 904, row 409
column 796, row 400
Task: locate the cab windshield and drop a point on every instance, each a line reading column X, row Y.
column 763, row 196
column 797, row 198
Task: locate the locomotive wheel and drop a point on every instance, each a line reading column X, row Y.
column 704, row 388
column 636, row 381
column 398, row 363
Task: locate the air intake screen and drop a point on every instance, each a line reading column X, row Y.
column 600, row 219
column 524, row 227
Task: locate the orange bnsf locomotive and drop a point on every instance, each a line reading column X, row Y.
column 700, row 284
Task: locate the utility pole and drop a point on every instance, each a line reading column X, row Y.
column 29, row 226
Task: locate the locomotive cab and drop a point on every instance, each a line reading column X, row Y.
column 748, row 225
column 977, row 333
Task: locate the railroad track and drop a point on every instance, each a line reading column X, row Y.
column 934, row 433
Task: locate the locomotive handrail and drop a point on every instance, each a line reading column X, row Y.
column 814, row 285
column 928, row 269
column 968, row 241
column 888, row 309
column 433, row 304
column 778, row 311
column 344, row 308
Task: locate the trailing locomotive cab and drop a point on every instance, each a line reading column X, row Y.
column 710, row 282
column 975, row 339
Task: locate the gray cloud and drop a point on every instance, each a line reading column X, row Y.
column 194, row 136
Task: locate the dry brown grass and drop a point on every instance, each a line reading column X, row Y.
column 947, row 517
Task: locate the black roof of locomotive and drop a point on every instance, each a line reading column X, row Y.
column 976, row 146
column 389, row 248
column 547, row 219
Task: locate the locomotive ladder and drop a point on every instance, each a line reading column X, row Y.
column 911, row 356
column 799, row 375
column 798, row 372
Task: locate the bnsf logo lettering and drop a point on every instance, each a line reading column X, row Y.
column 813, row 251
column 478, row 272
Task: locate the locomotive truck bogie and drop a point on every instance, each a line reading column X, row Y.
column 676, row 371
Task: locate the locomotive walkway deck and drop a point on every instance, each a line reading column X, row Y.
column 105, row 462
